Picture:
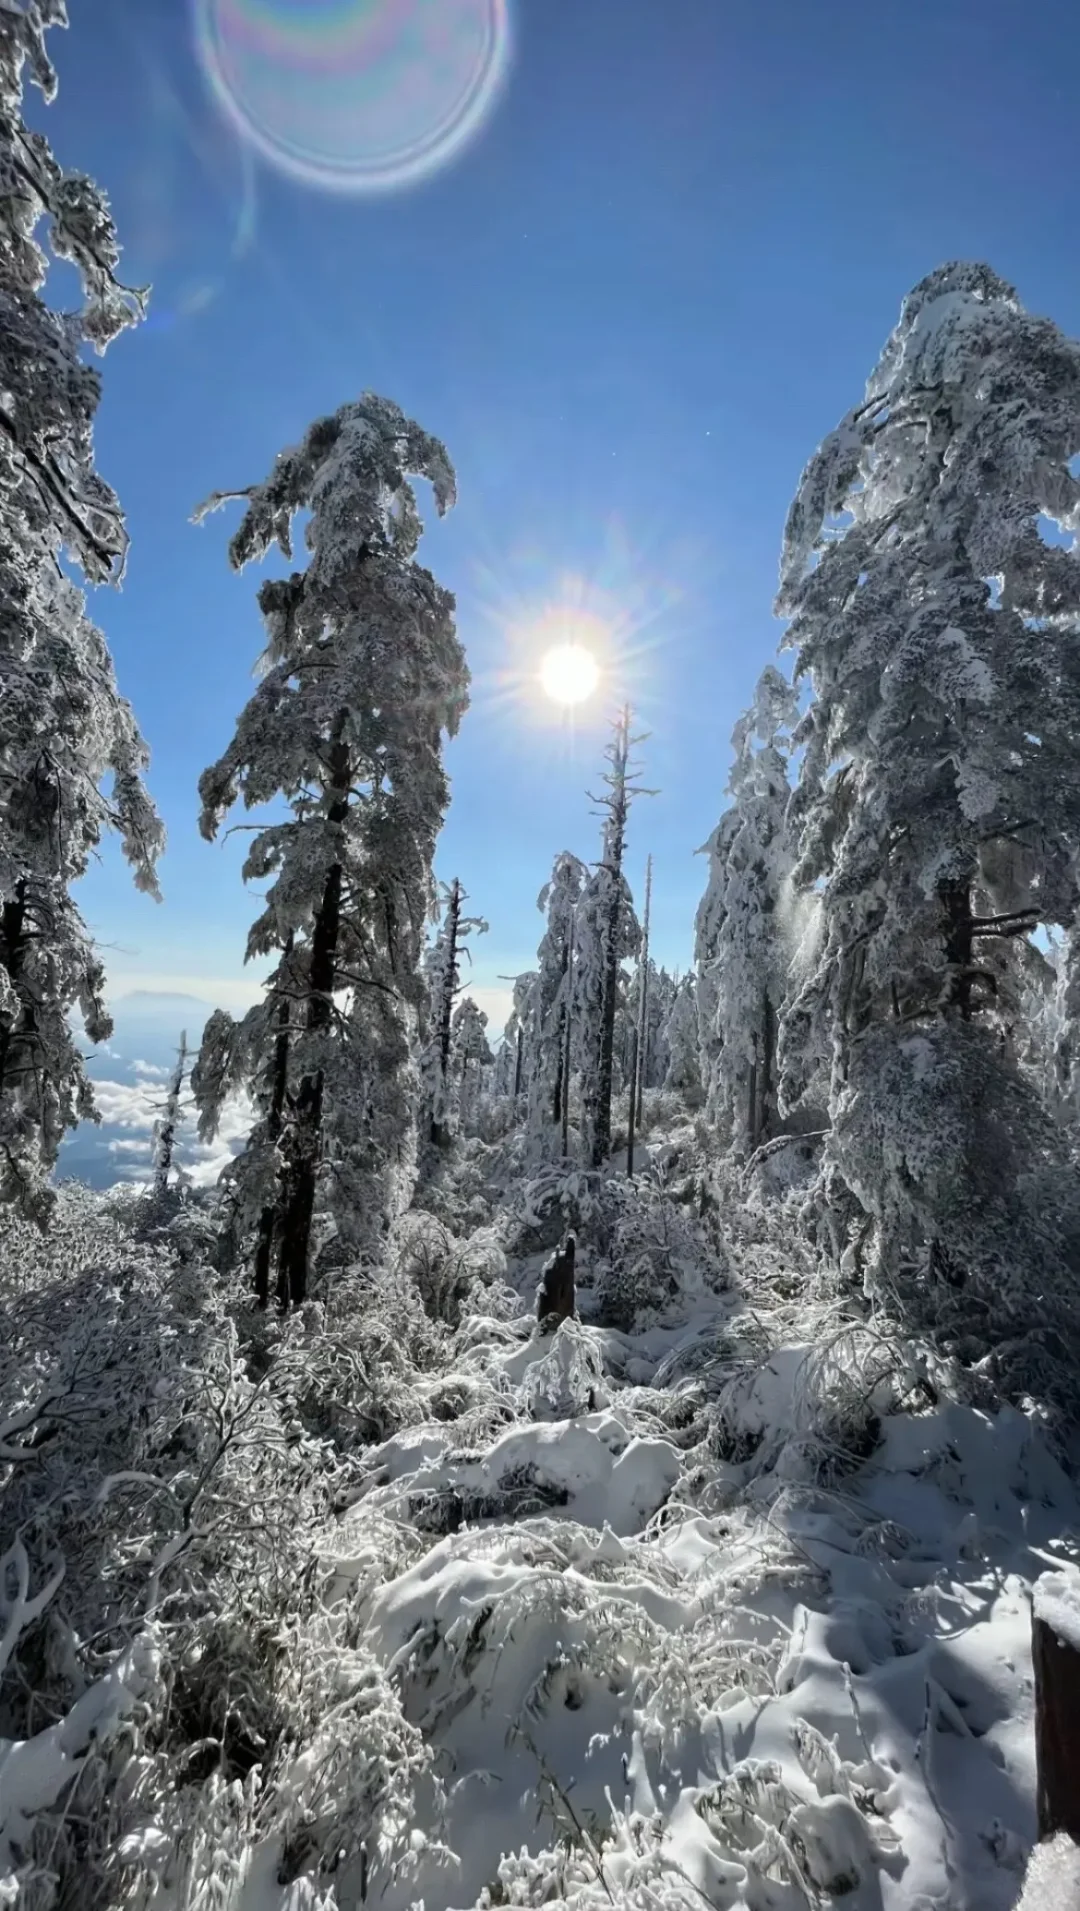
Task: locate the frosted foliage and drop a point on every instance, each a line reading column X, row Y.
column 659, row 990
column 682, row 1038
column 471, row 1054
column 743, row 937
column 552, row 999
column 976, row 1214
column 522, row 1021
column 937, row 808
column 64, row 728
column 362, row 678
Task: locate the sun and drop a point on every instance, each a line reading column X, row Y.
column 569, row 673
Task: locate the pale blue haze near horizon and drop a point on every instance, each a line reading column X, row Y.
column 631, row 307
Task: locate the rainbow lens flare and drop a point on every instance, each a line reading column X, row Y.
column 355, row 96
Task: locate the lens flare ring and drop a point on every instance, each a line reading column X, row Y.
column 355, row 96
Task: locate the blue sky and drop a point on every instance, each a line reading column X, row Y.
column 631, row 307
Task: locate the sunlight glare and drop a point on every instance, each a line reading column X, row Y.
column 355, row 96
column 569, row 673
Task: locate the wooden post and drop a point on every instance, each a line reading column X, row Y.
column 1055, row 1652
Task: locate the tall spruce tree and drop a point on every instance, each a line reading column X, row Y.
column 938, row 809
column 363, row 676
column 63, row 726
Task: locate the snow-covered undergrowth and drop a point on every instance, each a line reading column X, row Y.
column 716, row 1595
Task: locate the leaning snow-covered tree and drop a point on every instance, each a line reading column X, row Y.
column 363, row 676
column 64, row 728
column 742, row 949
column 553, row 1005
column 938, row 808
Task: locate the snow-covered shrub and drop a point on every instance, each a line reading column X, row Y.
column 647, row 1252
column 157, row 1503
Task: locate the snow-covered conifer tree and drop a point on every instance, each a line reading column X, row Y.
column 938, row 807
column 513, row 1062
column 741, row 949
column 363, row 675
column 608, row 932
column 63, row 725
column 471, row 1055
column 552, row 1004
column 682, row 1041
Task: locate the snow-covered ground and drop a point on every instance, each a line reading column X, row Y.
column 727, row 1604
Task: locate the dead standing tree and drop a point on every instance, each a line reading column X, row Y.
column 446, row 985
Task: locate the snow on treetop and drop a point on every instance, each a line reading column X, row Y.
column 1056, row 1603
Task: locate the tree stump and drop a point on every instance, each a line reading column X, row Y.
column 1055, row 1652
column 555, row 1295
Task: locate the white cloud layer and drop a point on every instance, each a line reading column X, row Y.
column 137, row 1106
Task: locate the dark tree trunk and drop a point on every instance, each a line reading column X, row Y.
column 305, row 1141
column 1057, row 1727
column 12, row 955
column 555, row 1296
column 301, row 1182
column 518, row 1059
column 958, row 928
column 264, row 1245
